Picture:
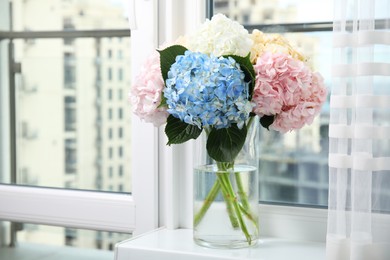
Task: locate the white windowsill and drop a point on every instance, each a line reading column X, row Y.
column 177, row 244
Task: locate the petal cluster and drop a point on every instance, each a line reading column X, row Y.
column 274, row 43
column 286, row 87
column 221, row 36
column 205, row 90
column 146, row 92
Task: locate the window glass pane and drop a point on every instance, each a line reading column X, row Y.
column 59, row 236
column 64, row 126
column 68, row 14
column 293, row 166
column 275, row 11
column 66, row 119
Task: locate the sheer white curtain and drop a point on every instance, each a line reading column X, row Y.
column 359, row 133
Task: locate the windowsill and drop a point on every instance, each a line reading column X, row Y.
column 176, row 244
column 28, row 251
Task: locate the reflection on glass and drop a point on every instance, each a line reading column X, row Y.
column 59, row 236
column 293, row 166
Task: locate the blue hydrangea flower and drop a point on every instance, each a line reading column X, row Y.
column 206, row 90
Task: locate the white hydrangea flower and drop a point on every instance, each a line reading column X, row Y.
column 221, row 36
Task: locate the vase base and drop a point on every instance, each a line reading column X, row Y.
column 225, row 244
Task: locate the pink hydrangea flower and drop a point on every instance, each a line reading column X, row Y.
column 286, row 87
column 146, row 92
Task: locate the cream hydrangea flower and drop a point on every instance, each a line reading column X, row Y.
column 221, row 36
column 274, row 43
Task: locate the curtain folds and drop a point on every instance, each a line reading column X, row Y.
column 359, row 132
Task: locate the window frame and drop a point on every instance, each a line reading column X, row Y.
column 68, row 208
column 78, row 208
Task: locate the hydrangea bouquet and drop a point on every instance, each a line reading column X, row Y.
column 219, row 80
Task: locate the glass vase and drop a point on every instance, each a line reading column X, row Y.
column 226, row 196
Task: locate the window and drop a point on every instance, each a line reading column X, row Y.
column 70, row 119
column 110, row 133
column 110, row 171
column 70, row 113
column 221, row 4
column 120, row 132
column 63, row 136
column 120, row 170
column 293, row 166
column 109, row 113
column 120, row 113
column 69, row 70
column 70, row 100
column 109, row 95
column 273, row 213
column 118, row 210
column 109, row 74
column 70, row 156
column 68, row 26
column 120, row 74
column 110, row 152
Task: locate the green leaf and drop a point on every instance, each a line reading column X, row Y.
column 163, row 102
column 168, row 57
column 179, row 132
column 266, row 121
column 223, row 145
column 247, row 67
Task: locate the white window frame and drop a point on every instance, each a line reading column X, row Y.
column 162, row 194
column 92, row 209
